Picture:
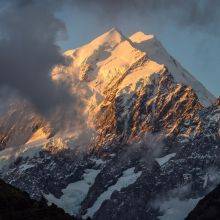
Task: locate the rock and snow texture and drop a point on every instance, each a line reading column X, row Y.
column 109, row 63
column 128, row 177
column 156, row 52
column 131, row 88
column 128, row 63
column 24, row 167
column 103, row 60
column 163, row 160
column 74, row 193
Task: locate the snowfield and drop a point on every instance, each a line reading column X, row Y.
column 74, row 193
column 165, row 159
column 128, row 177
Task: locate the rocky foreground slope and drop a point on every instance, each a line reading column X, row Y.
column 145, row 145
column 17, row 205
column 208, row 208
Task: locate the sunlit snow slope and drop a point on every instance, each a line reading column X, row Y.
column 103, row 61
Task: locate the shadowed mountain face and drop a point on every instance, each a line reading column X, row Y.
column 17, row 205
column 146, row 140
column 208, row 208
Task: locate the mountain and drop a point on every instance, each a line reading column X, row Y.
column 17, row 205
column 144, row 143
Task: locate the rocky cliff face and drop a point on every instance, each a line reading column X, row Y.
column 150, row 144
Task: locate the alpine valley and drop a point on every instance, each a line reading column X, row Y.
column 141, row 141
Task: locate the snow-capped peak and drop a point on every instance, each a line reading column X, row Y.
column 140, row 37
column 111, row 37
column 101, row 62
column 157, row 53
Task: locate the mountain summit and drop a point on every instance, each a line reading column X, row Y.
column 145, row 139
column 111, row 54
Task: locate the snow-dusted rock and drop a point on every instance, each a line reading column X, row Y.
column 150, row 129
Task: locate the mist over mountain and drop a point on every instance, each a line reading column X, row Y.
column 28, row 52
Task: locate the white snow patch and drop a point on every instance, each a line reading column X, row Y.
column 129, row 177
column 177, row 209
column 112, row 155
column 74, row 193
column 24, row 167
column 98, row 161
column 165, row 159
column 215, row 117
column 206, row 178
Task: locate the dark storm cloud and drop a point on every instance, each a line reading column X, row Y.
column 28, row 51
column 200, row 14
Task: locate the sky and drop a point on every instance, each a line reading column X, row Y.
column 35, row 33
column 196, row 48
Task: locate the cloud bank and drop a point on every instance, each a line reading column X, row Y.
column 28, row 52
